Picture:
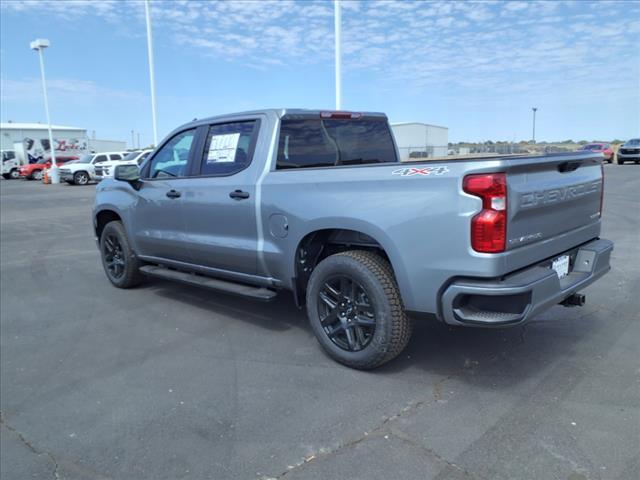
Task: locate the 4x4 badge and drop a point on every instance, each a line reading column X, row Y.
column 410, row 171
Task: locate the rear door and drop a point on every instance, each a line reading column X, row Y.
column 158, row 219
column 553, row 196
column 219, row 203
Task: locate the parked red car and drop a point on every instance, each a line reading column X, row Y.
column 33, row 171
column 603, row 148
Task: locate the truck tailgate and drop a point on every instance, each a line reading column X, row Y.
column 552, row 196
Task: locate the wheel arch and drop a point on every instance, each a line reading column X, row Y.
column 319, row 243
column 102, row 218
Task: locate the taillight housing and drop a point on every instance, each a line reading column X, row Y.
column 489, row 227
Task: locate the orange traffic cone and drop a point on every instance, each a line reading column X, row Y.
column 45, row 178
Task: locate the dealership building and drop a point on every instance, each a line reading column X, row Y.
column 34, row 137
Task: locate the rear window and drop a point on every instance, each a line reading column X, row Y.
column 315, row 142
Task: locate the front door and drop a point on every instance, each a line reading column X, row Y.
column 220, row 215
column 158, row 220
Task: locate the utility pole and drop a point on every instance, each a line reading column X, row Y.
column 535, row 109
column 337, row 20
column 133, row 145
column 152, row 80
column 138, row 140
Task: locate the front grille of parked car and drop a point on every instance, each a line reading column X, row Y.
column 627, row 151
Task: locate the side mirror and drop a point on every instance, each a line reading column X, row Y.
column 127, row 173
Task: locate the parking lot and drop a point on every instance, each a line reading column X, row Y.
column 166, row 381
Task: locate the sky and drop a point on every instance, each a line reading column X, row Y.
column 476, row 67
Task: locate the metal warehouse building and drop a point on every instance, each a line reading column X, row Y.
column 420, row 140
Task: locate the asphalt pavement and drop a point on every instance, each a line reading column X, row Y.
column 167, row 381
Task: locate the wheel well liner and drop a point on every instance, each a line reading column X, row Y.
column 319, row 244
column 103, row 217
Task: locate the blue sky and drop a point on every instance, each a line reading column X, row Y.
column 475, row 67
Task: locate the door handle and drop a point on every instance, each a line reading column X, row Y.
column 173, row 194
column 239, row 195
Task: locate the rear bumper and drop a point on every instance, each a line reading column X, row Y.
column 514, row 299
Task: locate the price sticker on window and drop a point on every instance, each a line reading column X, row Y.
column 222, row 148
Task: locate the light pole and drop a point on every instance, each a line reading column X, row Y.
column 39, row 45
column 535, row 109
column 151, row 69
column 337, row 21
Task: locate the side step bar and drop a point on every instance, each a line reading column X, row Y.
column 257, row 293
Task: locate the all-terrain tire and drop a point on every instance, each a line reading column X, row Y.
column 374, row 274
column 129, row 275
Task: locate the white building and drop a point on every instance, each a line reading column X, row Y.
column 68, row 141
column 420, row 140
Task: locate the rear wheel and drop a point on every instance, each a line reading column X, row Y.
column 119, row 262
column 81, row 178
column 37, row 175
column 14, row 174
column 355, row 309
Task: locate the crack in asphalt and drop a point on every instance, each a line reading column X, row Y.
column 409, row 409
column 31, row 447
column 410, row 441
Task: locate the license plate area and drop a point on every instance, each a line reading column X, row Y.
column 561, row 265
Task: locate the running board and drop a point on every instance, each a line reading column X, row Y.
column 257, row 293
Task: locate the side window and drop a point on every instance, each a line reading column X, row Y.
column 172, row 159
column 100, row 158
column 115, row 156
column 228, row 148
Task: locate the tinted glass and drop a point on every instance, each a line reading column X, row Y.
column 100, row 158
column 115, row 156
column 633, row 141
column 327, row 142
column 85, row 159
column 228, row 148
column 131, row 156
column 173, row 157
column 142, row 157
column 8, row 155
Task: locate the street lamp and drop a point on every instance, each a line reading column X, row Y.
column 337, row 23
column 152, row 80
column 40, row 44
column 535, row 109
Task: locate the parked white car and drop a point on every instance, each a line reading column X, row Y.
column 105, row 169
column 82, row 171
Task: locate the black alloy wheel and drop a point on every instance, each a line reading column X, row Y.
column 346, row 314
column 114, row 258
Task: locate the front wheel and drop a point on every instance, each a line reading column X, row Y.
column 37, row 175
column 355, row 309
column 14, row 174
column 81, row 178
column 119, row 262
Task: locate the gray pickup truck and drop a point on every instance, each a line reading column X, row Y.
column 317, row 203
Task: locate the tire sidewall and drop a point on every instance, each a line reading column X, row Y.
column 348, row 266
column 131, row 267
column 37, row 175
column 80, row 175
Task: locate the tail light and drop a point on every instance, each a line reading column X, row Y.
column 340, row 114
column 602, row 189
column 489, row 227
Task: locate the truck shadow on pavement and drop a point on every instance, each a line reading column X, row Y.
column 488, row 357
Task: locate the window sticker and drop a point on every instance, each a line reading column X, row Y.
column 222, row 148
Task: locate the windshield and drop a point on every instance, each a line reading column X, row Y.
column 85, row 159
column 9, row 155
column 633, row 141
column 131, row 156
column 315, row 142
